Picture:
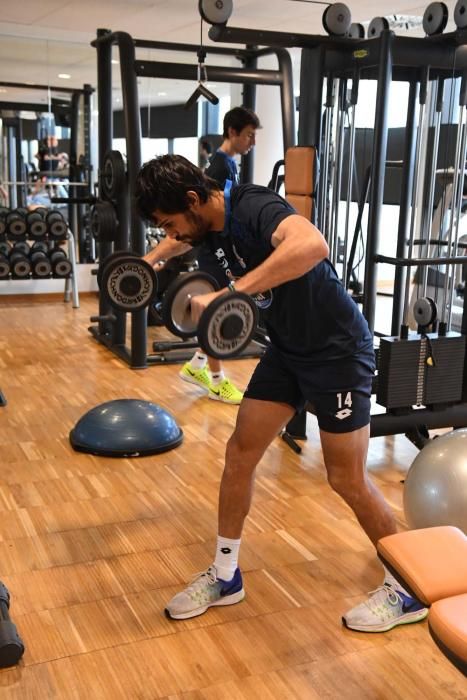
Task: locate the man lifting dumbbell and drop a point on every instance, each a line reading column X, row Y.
column 321, row 351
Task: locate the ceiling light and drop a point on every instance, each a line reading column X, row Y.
column 3, row 90
column 161, row 94
column 65, row 76
column 115, row 62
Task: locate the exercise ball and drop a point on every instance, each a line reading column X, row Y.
column 435, row 491
column 126, row 428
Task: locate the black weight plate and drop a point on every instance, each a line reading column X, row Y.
column 129, row 284
column 377, row 26
column 112, row 176
column 176, row 311
column 460, row 14
column 337, row 19
column 104, row 221
column 110, row 259
column 435, row 18
column 215, row 11
column 227, row 325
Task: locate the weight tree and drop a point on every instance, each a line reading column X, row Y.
column 130, row 232
column 432, row 376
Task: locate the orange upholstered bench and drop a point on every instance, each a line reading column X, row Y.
column 432, row 565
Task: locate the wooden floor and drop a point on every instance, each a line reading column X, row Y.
column 92, row 548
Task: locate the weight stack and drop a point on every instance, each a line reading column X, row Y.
column 407, row 378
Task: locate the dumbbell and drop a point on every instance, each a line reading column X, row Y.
column 41, row 265
column 4, row 262
column 11, row 645
column 57, row 227
column 3, row 214
column 36, row 223
column 20, row 264
column 225, row 328
column 61, row 266
column 16, row 224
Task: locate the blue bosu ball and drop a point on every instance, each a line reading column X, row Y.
column 126, row 428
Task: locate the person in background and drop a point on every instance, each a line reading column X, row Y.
column 205, row 152
column 239, row 134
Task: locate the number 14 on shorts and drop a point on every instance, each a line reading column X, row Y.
column 344, row 404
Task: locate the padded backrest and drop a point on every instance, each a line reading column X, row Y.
column 432, row 562
column 300, row 178
column 448, row 626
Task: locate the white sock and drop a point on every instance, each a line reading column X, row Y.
column 199, row 360
column 393, row 582
column 217, row 377
column 226, row 560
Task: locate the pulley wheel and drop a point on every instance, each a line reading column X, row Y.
column 176, row 304
column 337, row 19
column 227, row 325
column 215, row 11
column 424, row 311
column 356, row 31
column 435, row 18
column 460, row 14
column 377, row 26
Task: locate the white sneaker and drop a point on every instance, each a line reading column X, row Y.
column 385, row 608
column 204, row 591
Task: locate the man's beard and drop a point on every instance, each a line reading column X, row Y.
column 200, row 230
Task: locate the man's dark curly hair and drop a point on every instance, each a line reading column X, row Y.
column 163, row 183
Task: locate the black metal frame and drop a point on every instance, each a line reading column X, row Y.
column 111, row 328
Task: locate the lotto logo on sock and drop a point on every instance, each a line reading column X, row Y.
column 226, row 550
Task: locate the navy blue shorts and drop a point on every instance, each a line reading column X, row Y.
column 339, row 391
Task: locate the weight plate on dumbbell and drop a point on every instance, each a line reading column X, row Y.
column 377, row 26
column 104, row 221
column 227, row 325
column 215, row 11
column 356, row 31
column 460, row 14
column 425, row 311
column 116, row 255
column 112, row 177
column 435, row 18
column 129, row 283
column 176, row 310
column 337, row 19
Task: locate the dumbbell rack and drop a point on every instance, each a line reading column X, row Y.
column 71, row 285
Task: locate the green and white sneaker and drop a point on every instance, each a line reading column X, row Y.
column 199, row 377
column 385, row 608
column 203, row 592
column 225, row 391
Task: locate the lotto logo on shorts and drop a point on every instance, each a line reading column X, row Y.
column 344, row 413
column 343, row 404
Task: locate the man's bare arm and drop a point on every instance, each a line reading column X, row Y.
column 299, row 246
column 166, row 249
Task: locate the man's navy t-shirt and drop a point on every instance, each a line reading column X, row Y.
column 311, row 317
